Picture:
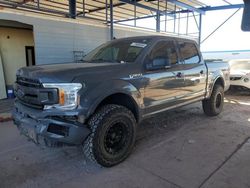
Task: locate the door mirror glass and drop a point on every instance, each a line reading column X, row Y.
column 245, row 24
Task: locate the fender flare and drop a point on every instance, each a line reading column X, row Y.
column 217, row 76
column 118, row 87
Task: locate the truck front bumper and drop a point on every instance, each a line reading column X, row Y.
column 41, row 126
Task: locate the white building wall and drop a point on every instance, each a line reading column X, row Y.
column 56, row 38
column 227, row 55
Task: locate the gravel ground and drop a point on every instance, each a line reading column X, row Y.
column 178, row 148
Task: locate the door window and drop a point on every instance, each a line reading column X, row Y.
column 162, row 55
column 30, row 55
column 189, row 52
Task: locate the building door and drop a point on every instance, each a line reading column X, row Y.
column 30, row 55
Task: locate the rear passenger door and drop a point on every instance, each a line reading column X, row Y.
column 194, row 69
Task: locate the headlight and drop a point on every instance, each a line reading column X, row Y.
column 68, row 97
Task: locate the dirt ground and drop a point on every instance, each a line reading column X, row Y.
column 178, row 148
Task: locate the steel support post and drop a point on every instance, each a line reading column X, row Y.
column 72, row 9
column 111, row 20
column 158, row 17
column 200, row 27
column 83, row 8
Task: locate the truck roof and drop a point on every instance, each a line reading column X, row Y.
column 157, row 37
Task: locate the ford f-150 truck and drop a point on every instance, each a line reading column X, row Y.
column 99, row 103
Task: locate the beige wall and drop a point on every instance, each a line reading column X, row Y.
column 12, row 49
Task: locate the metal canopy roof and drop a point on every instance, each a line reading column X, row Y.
column 122, row 11
column 99, row 9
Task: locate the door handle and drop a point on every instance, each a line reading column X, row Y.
column 202, row 72
column 179, row 75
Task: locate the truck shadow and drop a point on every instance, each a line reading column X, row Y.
column 238, row 91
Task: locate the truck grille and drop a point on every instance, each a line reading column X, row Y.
column 31, row 93
column 28, row 82
column 235, row 78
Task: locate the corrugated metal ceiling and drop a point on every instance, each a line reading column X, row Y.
column 97, row 8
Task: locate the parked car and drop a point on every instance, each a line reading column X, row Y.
column 99, row 103
column 240, row 73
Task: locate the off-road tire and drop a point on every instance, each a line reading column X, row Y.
column 214, row 105
column 101, row 122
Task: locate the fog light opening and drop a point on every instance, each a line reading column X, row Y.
column 246, row 79
column 58, row 129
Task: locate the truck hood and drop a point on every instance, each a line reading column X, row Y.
column 65, row 72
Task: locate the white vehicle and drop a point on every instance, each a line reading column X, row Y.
column 240, row 73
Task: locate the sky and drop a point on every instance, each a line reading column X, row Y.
column 228, row 37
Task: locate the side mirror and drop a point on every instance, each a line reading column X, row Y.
column 245, row 24
column 158, row 63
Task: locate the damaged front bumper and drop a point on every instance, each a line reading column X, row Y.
column 42, row 127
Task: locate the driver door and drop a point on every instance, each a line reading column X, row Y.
column 164, row 78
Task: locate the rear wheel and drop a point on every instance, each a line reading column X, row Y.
column 214, row 105
column 113, row 132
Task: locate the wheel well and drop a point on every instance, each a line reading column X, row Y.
column 219, row 81
column 123, row 100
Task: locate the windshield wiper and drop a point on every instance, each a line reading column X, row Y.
column 84, row 61
column 97, row 60
column 103, row 60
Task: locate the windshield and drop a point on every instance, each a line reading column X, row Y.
column 117, row 51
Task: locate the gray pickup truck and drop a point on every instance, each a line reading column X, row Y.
column 99, row 103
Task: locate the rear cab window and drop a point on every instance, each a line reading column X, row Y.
column 189, row 52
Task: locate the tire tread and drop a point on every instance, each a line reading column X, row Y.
column 96, row 121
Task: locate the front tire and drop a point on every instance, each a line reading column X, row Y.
column 112, row 137
column 214, row 105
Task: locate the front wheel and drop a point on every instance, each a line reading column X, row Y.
column 214, row 105
column 112, row 137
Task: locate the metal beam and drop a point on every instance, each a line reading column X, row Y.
column 118, row 5
column 209, row 8
column 106, row 10
column 189, row 7
column 139, row 5
column 166, row 8
column 105, row 7
column 224, row 7
column 116, row 11
column 138, row 18
column 83, row 7
column 146, row 7
column 38, row 3
column 40, row 10
column 31, row 7
column 111, row 20
column 72, row 9
column 200, row 27
column 26, row 1
column 158, row 17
